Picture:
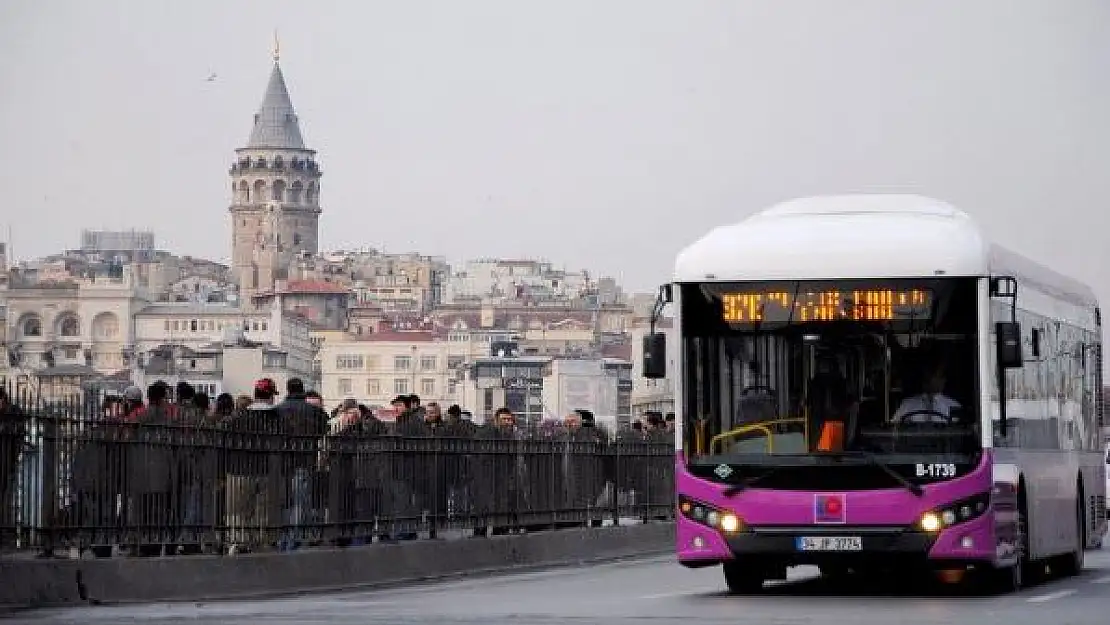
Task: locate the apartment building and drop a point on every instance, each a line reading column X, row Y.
column 538, row 388
column 220, row 348
column 375, row 368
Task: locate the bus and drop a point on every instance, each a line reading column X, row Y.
column 866, row 384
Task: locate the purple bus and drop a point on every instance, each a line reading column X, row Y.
column 839, row 363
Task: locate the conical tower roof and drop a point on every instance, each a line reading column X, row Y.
column 275, row 124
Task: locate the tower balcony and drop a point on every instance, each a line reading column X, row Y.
column 278, row 165
column 238, row 206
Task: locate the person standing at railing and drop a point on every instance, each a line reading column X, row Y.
column 409, row 478
column 655, row 485
column 584, row 466
column 195, row 477
column 625, row 466
column 500, row 483
column 224, row 409
column 13, row 435
column 152, row 470
column 458, row 474
column 99, row 461
column 304, row 427
column 253, row 462
column 361, row 452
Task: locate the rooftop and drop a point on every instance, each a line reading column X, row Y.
column 192, row 308
column 865, row 236
column 275, row 124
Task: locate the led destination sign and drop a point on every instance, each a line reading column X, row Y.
column 829, row 305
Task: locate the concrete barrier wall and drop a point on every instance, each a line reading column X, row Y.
column 31, row 583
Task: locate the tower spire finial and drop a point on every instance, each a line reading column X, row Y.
column 277, row 47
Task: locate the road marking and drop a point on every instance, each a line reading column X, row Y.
column 1101, row 580
column 1059, row 594
column 669, row 595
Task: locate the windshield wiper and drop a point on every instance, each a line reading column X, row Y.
column 901, row 479
column 733, row 489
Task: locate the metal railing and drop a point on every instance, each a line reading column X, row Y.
column 165, row 483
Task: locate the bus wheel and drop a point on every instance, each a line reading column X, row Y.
column 1073, row 562
column 743, row 578
column 1012, row 578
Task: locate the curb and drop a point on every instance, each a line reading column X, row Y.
column 51, row 583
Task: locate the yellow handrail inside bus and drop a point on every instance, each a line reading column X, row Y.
column 763, row 426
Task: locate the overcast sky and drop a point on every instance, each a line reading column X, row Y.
column 595, row 133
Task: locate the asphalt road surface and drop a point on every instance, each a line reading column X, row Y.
column 641, row 592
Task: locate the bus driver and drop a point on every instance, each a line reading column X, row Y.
column 931, row 399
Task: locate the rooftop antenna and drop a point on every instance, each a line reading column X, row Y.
column 277, row 47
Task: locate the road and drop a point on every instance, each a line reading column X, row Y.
column 638, row 592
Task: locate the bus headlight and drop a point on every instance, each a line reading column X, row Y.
column 711, row 516
column 730, row 523
column 930, row 522
column 954, row 513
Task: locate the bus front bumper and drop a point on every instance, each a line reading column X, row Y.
column 971, row 543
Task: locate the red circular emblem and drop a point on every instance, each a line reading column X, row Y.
column 832, row 506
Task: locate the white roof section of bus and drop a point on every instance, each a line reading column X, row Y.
column 860, row 236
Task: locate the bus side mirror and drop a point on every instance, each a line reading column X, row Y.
column 655, row 355
column 1008, row 336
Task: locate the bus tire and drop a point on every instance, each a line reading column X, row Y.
column 1073, row 562
column 743, row 578
column 1011, row 579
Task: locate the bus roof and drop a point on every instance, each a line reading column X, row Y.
column 862, row 236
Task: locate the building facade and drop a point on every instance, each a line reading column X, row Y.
column 136, row 245
column 61, row 336
column 537, row 388
column 219, row 348
column 325, row 304
column 602, row 386
column 404, row 283
column 76, row 322
column 377, row 367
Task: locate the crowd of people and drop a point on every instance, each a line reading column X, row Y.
column 176, row 470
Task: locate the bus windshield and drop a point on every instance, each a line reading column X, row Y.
column 777, row 372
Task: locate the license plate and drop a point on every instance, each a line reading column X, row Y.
column 829, row 543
